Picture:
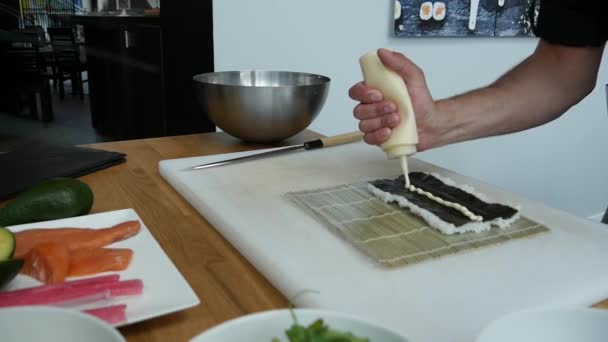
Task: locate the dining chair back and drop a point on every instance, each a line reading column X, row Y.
column 23, row 71
column 62, row 37
column 67, row 59
column 22, row 63
column 37, row 34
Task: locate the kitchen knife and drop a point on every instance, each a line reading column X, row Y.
column 341, row 139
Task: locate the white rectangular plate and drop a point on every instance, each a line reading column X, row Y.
column 165, row 289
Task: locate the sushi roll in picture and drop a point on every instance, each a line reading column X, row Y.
column 397, row 9
column 438, row 11
column 426, row 10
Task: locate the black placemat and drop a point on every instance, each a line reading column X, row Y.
column 31, row 163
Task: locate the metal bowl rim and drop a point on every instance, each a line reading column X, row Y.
column 324, row 79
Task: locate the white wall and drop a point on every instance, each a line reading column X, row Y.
column 564, row 163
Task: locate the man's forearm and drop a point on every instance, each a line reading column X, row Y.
column 536, row 91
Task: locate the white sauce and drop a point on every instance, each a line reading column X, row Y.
column 406, row 174
column 466, row 212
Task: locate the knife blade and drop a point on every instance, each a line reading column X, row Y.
column 335, row 140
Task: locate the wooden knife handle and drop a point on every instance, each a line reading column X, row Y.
column 341, row 139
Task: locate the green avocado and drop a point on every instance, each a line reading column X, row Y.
column 49, row 200
column 9, row 270
column 7, row 244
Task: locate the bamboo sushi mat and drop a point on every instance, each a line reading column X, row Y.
column 393, row 236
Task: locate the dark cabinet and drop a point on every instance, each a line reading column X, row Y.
column 143, row 82
column 140, row 73
column 104, row 72
column 9, row 18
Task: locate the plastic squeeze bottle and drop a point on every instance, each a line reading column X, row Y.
column 404, row 137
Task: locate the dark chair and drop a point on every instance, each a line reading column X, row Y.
column 67, row 59
column 23, row 72
column 37, row 33
column 25, row 36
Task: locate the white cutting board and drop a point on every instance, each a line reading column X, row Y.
column 448, row 299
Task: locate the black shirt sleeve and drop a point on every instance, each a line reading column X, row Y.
column 573, row 22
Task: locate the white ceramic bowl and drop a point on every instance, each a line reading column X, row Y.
column 49, row 324
column 554, row 325
column 264, row 326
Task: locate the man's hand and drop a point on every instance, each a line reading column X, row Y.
column 536, row 91
column 379, row 116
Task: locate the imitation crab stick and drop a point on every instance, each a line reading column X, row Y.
column 110, row 314
column 74, row 238
column 56, row 297
column 131, row 287
column 63, row 295
column 71, row 284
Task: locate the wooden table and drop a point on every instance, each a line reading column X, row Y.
column 226, row 283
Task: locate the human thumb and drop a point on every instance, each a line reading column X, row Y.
column 408, row 70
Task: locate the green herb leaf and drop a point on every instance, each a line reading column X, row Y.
column 317, row 331
column 320, row 332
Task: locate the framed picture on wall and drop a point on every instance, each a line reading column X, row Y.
column 465, row 18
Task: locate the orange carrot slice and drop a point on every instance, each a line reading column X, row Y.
column 74, row 238
column 91, row 261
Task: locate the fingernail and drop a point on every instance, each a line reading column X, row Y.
column 384, row 132
column 375, row 96
column 389, row 108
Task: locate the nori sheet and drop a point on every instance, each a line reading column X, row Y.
column 429, row 183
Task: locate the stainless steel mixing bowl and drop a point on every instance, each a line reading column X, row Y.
column 261, row 106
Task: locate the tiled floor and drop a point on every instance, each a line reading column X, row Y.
column 71, row 125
